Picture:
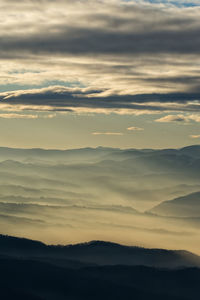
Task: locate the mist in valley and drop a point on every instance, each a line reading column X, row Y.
column 109, row 194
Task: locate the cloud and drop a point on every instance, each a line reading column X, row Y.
column 112, row 28
column 88, row 100
column 195, row 118
column 116, row 45
column 179, row 3
column 173, row 118
column 182, row 119
column 18, row 116
column 107, row 133
column 193, row 136
column 133, row 128
column 27, row 116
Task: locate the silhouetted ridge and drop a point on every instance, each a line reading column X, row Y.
column 96, row 243
column 96, row 253
column 31, row 270
column 108, row 282
column 12, row 244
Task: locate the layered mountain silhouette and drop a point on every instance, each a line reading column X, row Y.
column 94, row 270
column 102, row 192
column 89, row 154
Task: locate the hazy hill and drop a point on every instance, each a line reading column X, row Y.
column 83, row 154
column 186, row 206
column 88, row 154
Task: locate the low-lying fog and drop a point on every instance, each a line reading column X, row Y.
column 104, row 193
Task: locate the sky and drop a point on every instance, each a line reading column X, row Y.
column 92, row 73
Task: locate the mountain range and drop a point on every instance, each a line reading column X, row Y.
column 102, row 192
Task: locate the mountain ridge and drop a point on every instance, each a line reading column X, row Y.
column 99, row 253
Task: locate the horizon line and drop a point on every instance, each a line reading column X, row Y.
column 97, row 147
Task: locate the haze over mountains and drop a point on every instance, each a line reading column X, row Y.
column 100, row 193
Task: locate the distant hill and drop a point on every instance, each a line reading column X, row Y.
column 186, row 206
column 193, row 150
column 106, row 190
column 82, row 154
column 87, row 154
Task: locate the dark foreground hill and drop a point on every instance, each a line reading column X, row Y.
column 32, row 270
column 96, row 253
column 26, row 279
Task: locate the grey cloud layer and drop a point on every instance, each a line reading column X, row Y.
column 137, row 53
column 72, row 99
column 114, row 30
column 89, row 41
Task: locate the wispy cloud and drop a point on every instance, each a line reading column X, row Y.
column 133, row 128
column 25, row 116
column 107, row 133
column 181, row 119
column 18, row 116
column 173, row 118
column 195, row 136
